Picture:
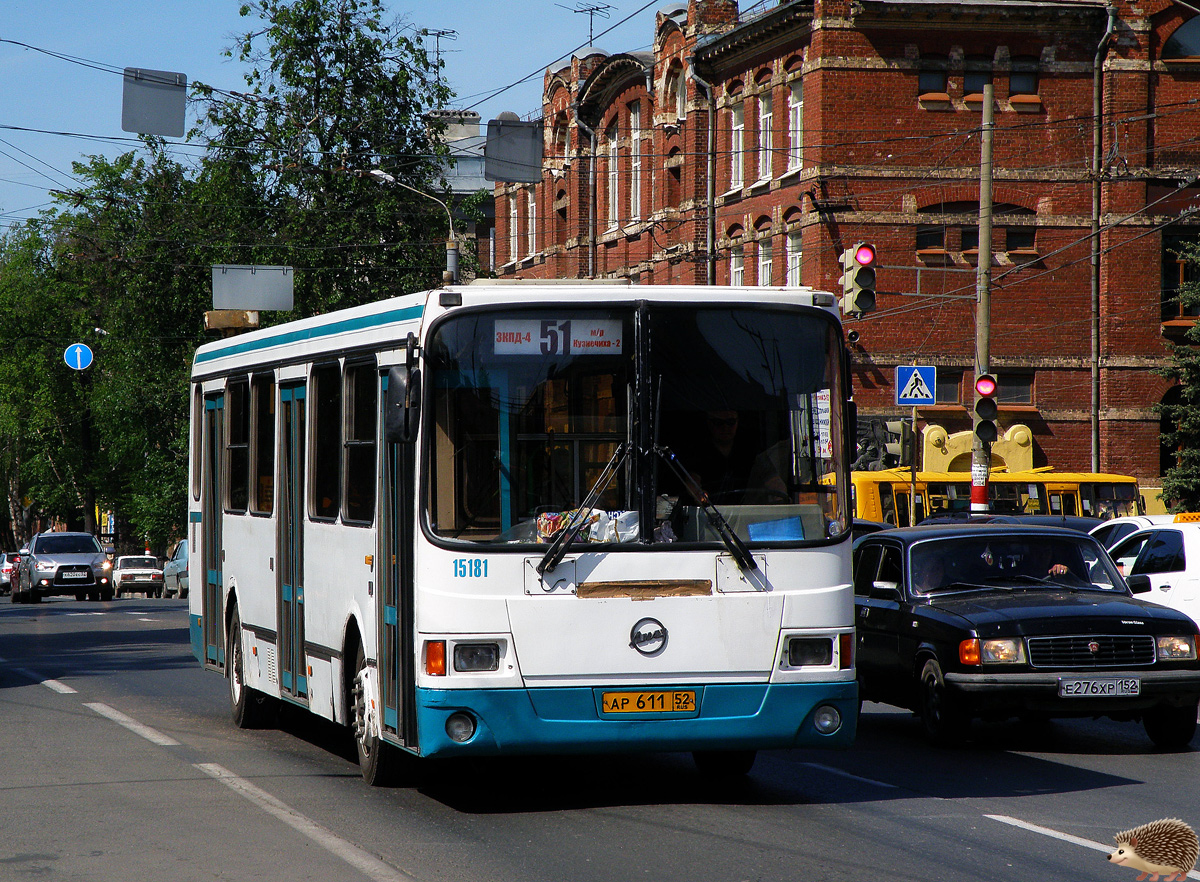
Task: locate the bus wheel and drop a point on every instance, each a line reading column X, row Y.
column 724, row 763
column 377, row 760
column 251, row 709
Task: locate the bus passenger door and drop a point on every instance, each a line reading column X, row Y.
column 396, row 537
column 210, row 525
column 293, row 679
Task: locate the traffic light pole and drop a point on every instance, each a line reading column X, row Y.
column 981, row 451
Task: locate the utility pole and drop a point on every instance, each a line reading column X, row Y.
column 981, row 450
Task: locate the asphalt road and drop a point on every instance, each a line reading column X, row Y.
column 120, row 763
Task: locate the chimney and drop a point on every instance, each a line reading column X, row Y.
column 709, row 16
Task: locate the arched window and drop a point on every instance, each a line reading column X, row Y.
column 1185, row 42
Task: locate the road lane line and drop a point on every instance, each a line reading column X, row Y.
column 151, row 735
column 54, row 685
column 1065, row 837
column 836, row 771
column 366, row 863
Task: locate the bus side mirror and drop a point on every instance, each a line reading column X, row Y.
column 402, row 405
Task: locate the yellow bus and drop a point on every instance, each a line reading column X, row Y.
column 884, row 495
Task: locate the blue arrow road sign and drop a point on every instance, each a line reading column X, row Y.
column 78, row 356
column 915, row 384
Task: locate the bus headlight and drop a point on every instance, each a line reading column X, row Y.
column 473, row 657
column 806, row 651
column 460, row 726
column 827, row 719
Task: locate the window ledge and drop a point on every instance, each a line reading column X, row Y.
column 1184, row 59
column 933, row 255
column 1025, row 103
column 793, row 171
column 1023, row 256
column 934, row 101
column 1014, row 407
column 760, row 184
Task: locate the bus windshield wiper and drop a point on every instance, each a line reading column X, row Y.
column 558, row 548
column 736, row 547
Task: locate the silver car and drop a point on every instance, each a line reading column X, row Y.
column 175, row 571
column 63, row 563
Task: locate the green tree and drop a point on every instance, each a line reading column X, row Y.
column 333, row 93
column 123, row 263
column 1181, row 483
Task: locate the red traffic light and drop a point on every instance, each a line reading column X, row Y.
column 864, row 255
column 985, row 385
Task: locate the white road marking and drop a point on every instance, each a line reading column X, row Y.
column 84, row 614
column 151, row 735
column 369, row 865
column 54, row 685
column 836, row 771
column 1065, row 837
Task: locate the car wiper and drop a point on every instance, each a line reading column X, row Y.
column 720, row 526
column 558, row 548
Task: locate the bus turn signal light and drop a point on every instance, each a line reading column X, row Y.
column 435, row 658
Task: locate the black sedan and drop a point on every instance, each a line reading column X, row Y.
column 957, row 622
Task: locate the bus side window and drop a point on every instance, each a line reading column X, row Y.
column 887, row 503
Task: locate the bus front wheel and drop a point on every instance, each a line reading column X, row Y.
column 377, row 761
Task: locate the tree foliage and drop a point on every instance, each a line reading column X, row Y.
column 1181, row 482
column 123, row 263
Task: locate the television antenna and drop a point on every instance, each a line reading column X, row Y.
column 438, row 36
column 592, row 10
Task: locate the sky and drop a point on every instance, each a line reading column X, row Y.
column 56, row 110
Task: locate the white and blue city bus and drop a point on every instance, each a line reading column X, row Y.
column 475, row 521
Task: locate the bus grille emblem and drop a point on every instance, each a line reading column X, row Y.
column 649, row 637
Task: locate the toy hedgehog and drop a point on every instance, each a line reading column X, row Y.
column 1168, row 846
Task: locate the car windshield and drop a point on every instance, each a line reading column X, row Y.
column 134, row 563
column 67, row 545
column 1004, row 562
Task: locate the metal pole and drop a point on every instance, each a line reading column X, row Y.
column 451, row 241
column 981, row 452
column 1097, row 107
column 912, row 471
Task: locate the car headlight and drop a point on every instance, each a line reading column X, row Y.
column 1176, row 648
column 997, row 651
column 46, row 567
column 107, row 565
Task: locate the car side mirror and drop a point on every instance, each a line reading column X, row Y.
column 24, row 551
column 1138, row 584
column 885, row 590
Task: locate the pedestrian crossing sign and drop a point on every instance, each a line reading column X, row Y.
column 915, row 384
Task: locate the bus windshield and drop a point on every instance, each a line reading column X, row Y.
column 690, row 409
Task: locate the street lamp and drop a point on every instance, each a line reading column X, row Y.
column 451, row 274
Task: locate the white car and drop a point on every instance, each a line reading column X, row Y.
column 175, row 571
column 137, row 572
column 1112, row 531
column 1167, row 557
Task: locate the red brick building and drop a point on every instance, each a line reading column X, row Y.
column 755, row 145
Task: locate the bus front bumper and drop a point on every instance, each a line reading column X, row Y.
column 571, row 720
